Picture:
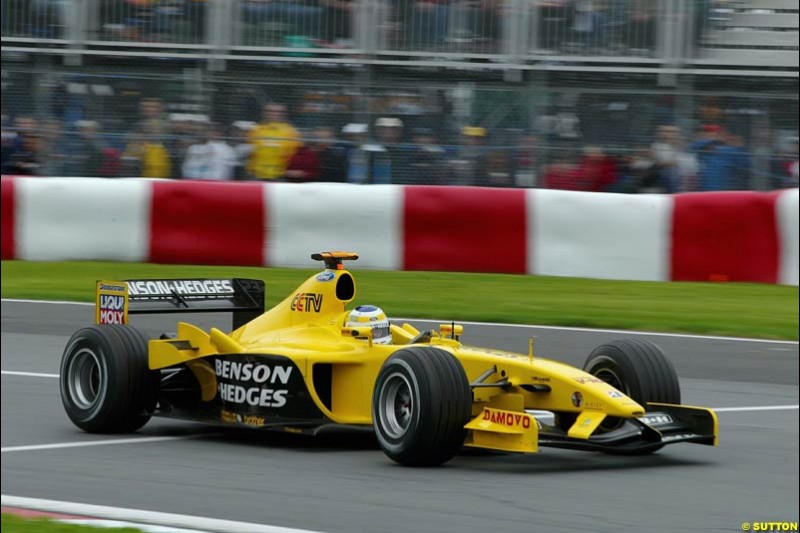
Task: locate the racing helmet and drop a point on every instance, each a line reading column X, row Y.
column 370, row 315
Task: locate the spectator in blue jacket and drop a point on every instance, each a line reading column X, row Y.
column 717, row 160
column 743, row 162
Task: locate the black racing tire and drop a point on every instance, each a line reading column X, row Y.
column 106, row 384
column 638, row 368
column 420, row 405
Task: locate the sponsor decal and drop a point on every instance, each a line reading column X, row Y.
column 665, row 438
column 615, row 394
column 229, row 417
column 306, row 302
column 253, row 420
column 188, row 287
column 112, row 309
column 540, row 379
column 583, row 380
column 577, row 399
column 111, row 303
column 507, row 418
column 656, row 419
column 325, row 276
column 113, row 287
column 248, row 420
column 597, row 406
column 253, row 384
column 498, row 353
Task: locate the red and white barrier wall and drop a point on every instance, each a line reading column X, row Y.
column 728, row 236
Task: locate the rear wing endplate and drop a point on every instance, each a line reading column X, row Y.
column 116, row 300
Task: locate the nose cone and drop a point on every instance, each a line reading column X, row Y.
column 617, row 404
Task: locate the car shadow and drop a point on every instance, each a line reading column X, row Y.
column 333, row 441
column 563, row 461
column 548, row 460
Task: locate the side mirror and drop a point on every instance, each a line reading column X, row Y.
column 359, row 332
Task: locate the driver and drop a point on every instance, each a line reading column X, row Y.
column 370, row 315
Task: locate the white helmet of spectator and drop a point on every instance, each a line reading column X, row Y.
column 370, row 315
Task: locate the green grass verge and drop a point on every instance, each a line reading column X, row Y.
column 737, row 309
column 16, row 524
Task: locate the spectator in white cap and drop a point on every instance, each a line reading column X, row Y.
column 389, row 161
column 354, row 129
column 353, row 153
column 389, row 122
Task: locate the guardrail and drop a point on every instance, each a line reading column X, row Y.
column 725, row 236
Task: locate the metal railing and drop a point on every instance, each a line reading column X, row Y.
column 586, row 28
column 516, row 33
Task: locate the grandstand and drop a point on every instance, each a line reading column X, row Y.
column 752, row 32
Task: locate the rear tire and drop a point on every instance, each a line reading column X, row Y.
column 420, row 405
column 106, row 385
column 638, row 368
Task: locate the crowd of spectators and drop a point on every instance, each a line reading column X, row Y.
column 186, row 146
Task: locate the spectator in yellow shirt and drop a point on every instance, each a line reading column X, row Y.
column 145, row 156
column 274, row 143
column 155, row 161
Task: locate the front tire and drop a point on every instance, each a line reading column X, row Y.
column 106, row 385
column 420, row 405
column 638, row 368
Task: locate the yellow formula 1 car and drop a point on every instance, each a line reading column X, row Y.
column 309, row 363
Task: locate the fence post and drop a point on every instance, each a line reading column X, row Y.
column 220, row 18
column 75, row 16
column 667, row 39
column 515, row 30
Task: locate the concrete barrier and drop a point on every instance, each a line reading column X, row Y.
column 725, row 236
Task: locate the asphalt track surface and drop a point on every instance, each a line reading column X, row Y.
column 344, row 483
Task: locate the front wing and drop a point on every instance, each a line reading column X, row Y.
column 662, row 424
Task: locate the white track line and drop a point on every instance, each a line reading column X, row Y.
column 60, row 445
column 144, row 528
column 54, row 302
column 524, row 326
column 599, row 330
column 148, row 517
column 28, row 374
column 757, row 408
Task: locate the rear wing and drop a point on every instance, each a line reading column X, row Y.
column 116, row 300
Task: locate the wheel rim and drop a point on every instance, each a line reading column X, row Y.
column 84, row 378
column 611, row 377
column 396, row 408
